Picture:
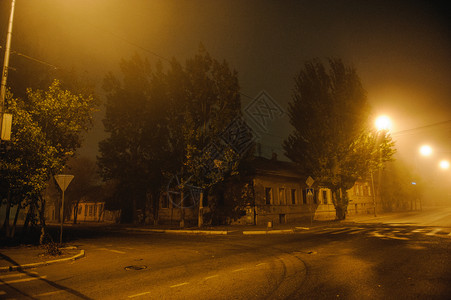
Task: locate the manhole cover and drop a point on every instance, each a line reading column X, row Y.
column 135, row 268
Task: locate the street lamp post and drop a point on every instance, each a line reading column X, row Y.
column 3, row 133
column 383, row 125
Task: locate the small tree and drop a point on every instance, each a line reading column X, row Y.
column 332, row 140
column 47, row 129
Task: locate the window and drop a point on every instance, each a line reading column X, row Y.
column 79, row 209
column 282, row 200
column 268, row 195
column 356, row 189
column 90, row 210
column 95, row 209
column 164, row 201
column 293, row 196
column 324, row 197
column 86, row 211
column 304, row 197
column 365, row 190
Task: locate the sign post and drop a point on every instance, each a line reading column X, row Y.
column 309, row 195
column 63, row 182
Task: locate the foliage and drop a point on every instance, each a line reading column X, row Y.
column 47, row 129
column 160, row 122
column 398, row 193
column 331, row 139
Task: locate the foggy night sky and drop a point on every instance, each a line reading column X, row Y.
column 401, row 49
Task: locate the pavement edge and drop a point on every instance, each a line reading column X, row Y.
column 40, row 264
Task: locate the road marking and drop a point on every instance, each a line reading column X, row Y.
column 212, row 276
column 111, row 250
column 355, row 231
column 16, row 275
column 238, row 270
column 47, row 294
column 137, row 295
column 376, row 234
column 396, row 237
column 339, row 231
column 180, row 284
column 23, row 280
column 261, row 264
column 433, row 232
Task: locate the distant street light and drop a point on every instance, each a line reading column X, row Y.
column 426, row 150
column 444, row 164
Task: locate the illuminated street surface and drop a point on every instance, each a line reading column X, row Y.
column 397, row 259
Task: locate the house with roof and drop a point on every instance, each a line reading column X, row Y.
column 276, row 193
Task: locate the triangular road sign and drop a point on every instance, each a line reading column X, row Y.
column 63, row 181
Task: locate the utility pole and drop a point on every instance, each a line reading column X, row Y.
column 6, row 64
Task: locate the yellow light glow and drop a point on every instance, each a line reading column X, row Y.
column 425, row 150
column 383, row 123
column 444, row 164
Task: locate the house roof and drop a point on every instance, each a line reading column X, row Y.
column 264, row 166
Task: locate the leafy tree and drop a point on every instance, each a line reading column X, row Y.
column 332, row 140
column 161, row 122
column 136, row 120
column 47, row 129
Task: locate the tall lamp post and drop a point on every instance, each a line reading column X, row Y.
column 5, row 119
column 383, row 125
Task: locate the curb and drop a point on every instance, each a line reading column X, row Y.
column 40, row 264
column 249, row 232
column 176, row 231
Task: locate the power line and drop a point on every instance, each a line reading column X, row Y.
column 420, row 128
column 33, row 59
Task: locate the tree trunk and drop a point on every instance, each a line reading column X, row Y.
column 155, row 206
column 13, row 227
column 76, row 212
column 182, row 212
column 341, row 205
column 200, row 217
column 5, row 227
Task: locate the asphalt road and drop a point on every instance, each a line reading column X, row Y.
column 347, row 261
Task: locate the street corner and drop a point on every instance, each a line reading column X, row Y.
column 26, row 257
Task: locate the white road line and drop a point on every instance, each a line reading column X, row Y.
column 47, row 294
column 433, row 232
column 23, row 280
column 238, row 270
column 180, row 284
column 376, row 234
column 261, row 264
column 212, row 276
column 396, row 237
column 355, row 231
column 339, row 231
column 16, row 275
column 137, row 295
column 111, row 250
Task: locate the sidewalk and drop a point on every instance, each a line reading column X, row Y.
column 26, row 257
column 232, row 229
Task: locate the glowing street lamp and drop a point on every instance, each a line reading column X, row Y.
column 383, row 123
column 426, row 150
column 444, row 164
